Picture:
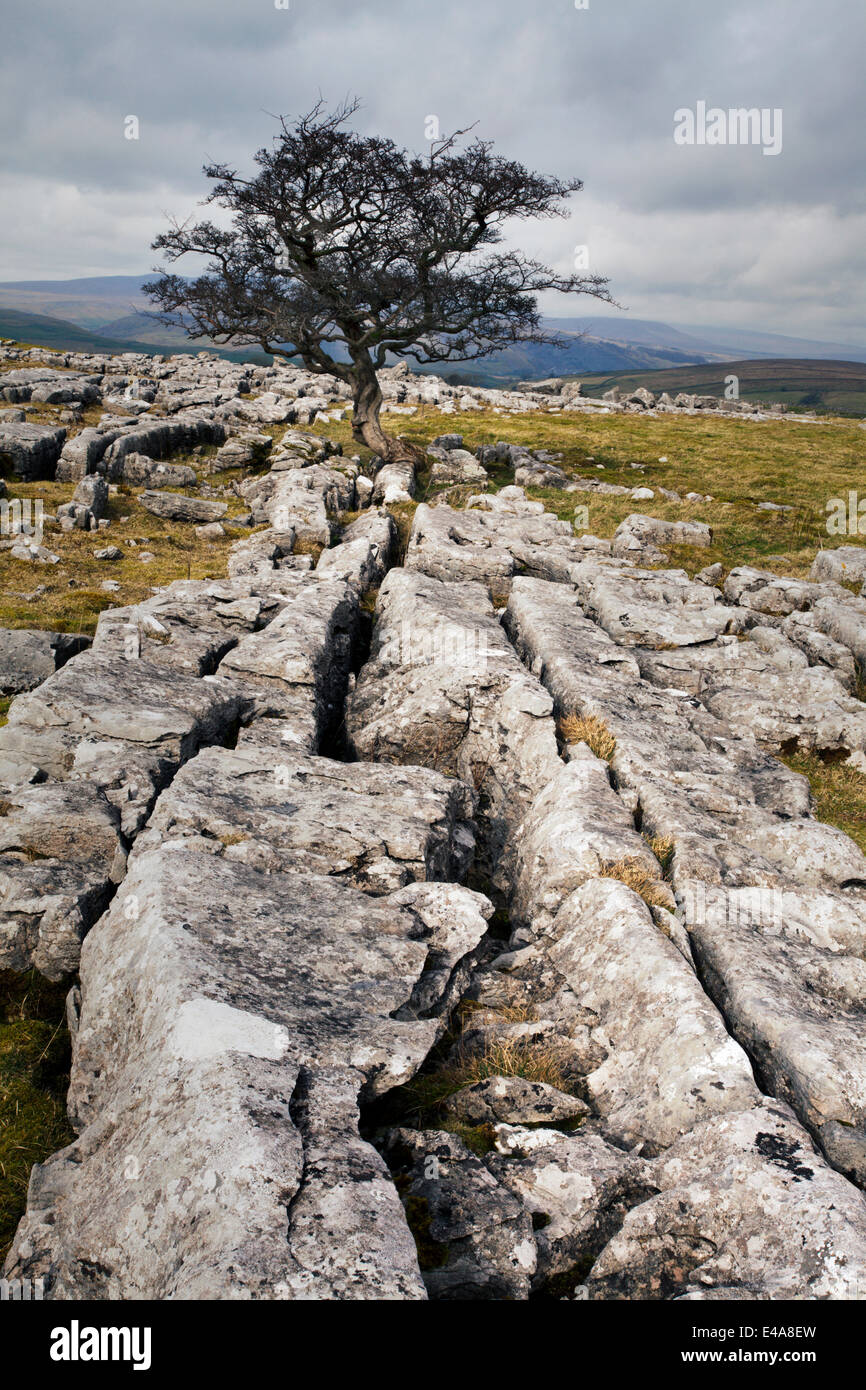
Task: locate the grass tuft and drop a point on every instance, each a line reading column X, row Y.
column 634, row 875
column 34, row 1076
column 588, row 729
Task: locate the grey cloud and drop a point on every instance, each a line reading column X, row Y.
column 590, row 93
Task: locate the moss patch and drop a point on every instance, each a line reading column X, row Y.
column 838, row 792
column 34, row 1077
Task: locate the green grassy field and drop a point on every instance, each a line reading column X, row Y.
column 812, row 384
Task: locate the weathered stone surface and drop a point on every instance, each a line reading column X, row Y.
column 576, row 827
column 29, row 656
column 535, row 473
column 642, row 608
column 766, row 685
column 189, row 626
column 393, row 483
column 675, row 1064
column 747, row 1209
column 454, row 466
column 141, row 471
column 376, row 827
column 298, row 668
column 158, row 439
column 364, row 554
column 243, row 451
column 444, row 689
column 302, row 499
column 577, row 1187
column 846, row 564
column 175, row 507
column 795, row 1005
column 475, row 545
column 30, row 451
column 514, row 1101
column 61, row 854
column 482, row 1233
column 642, row 536
column 284, row 994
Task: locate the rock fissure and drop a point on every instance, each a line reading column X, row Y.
column 310, row 1062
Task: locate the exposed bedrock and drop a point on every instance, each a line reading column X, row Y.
column 618, row 988
column 219, row 1060
column 444, row 688
column 679, row 943
column 114, row 725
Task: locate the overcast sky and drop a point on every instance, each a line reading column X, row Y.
column 696, row 234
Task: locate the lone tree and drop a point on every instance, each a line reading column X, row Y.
column 344, row 249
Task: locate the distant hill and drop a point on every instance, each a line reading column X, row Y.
column 826, row 386
column 69, row 337
column 89, row 302
column 146, row 329
column 113, row 314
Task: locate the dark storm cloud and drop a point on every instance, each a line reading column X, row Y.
column 686, row 232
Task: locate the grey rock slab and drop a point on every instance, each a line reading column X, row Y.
column 394, row 483
column 245, row 1034
column 747, row 1207
column 454, row 466
column 307, row 650
column 31, row 451
column 61, row 854
column 671, row 1062
column 798, row 1009
column 638, row 533
column 109, row 699
column 489, row 547
column 777, row 595
column 483, row 1232
column 512, row 500
column 443, row 688
column 535, row 473
column 645, row 608
column 175, row 507
column 29, row 656
column 577, row 1187
column 243, row 451
column 846, row 564
column 807, row 708
column 821, row 649
column 302, row 499
column 158, row 439
column 377, row 827
column 361, row 561
column 512, row 1100
column 455, row 922
column 189, row 626
column 141, row 471
column 575, row 828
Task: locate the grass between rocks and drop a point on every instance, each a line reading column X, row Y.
column 740, row 463
column 34, row 1076
column 838, row 793
column 68, row 596
column 588, row 729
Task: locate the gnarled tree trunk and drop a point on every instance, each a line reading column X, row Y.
column 367, row 427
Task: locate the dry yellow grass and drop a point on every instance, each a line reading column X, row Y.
column 634, row 875
column 663, row 849
column 588, row 729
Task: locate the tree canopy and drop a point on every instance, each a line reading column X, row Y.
column 345, row 251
